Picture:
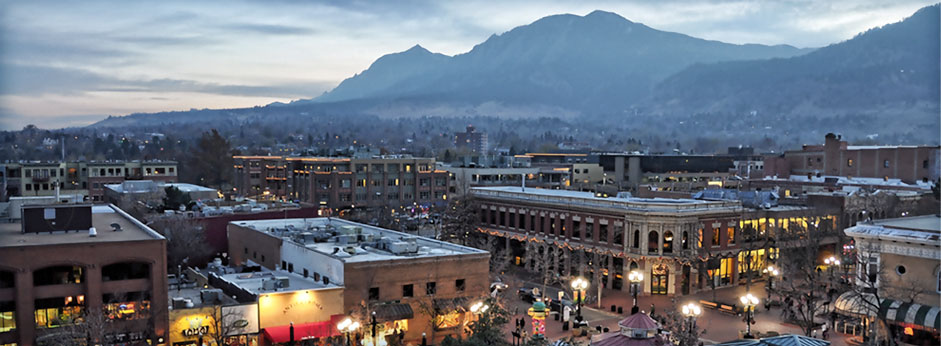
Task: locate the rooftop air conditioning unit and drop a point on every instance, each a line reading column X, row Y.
column 269, row 285
column 283, row 281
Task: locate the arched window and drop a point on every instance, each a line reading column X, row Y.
column 125, row 271
column 653, row 242
column 637, row 239
column 668, row 242
column 634, row 266
column 685, row 240
column 59, row 275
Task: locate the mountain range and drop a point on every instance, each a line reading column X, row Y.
column 603, row 66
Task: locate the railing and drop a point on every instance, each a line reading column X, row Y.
column 612, row 203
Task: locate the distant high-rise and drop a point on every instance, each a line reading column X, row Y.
column 471, row 139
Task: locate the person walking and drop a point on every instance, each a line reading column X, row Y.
column 825, row 331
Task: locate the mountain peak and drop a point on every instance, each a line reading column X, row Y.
column 417, row 48
column 605, row 15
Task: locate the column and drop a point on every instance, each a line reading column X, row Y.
column 25, row 317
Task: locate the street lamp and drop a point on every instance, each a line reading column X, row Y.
column 691, row 311
column 479, row 308
column 635, row 277
column 579, row 285
column 347, row 326
column 772, row 272
column 750, row 301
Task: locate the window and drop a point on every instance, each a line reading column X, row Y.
column 254, row 254
column 885, row 163
column 576, row 229
column 345, row 183
column 262, row 258
column 636, row 239
column 374, row 293
column 431, row 288
column 685, row 240
column 284, row 264
column 653, row 242
column 715, row 237
column 7, row 321
column 246, row 251
column 459, row 284
column 849, row 163
column 290, row 266
column 408, row 291
column 731, row 232
column 512, row 220
column 306, row 273
column 589, row 230
column 603, row 233
column 924, row 164
column 668, row 242
column 59, row 275
column 29, row 187
column 502, row 220
column 618, row 235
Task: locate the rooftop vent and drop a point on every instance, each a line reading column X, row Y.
column 116, row 227
column 92, row 232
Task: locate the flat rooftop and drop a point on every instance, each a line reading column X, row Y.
column 924, row 230
column 925, row 223
column 254, row 282
column 11, row 234
column 589, row 199
column 355, row 242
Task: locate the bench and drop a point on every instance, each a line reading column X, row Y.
column 725, row 308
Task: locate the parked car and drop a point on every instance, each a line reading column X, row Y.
column 556, row 305
column 529, row 294
column 498, row 286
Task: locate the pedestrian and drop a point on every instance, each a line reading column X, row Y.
column 651, row 309
column 767, row 304
column 824, row 332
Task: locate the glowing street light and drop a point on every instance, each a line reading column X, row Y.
column 692, row 311
column 348, row 326
column 579, row 285
column 749, row 301
column 635, row 277
column 479, row 307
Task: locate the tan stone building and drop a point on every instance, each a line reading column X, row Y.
column 412, row 285
column 78, row 177
column 900, row 263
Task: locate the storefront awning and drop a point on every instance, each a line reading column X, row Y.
column 449, row 304
column 282, row 334
column 917, row 314
column 856, row 304
column 392, row 312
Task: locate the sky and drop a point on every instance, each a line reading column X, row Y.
column 71, row 63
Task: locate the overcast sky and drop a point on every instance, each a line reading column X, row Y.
column 73, row 63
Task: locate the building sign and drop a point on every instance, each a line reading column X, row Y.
column 302, row 306
column 201, row 330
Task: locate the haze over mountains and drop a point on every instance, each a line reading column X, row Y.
column 604, row 67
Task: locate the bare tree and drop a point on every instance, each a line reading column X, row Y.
column 460, row 220
column 803, row 284
column 225, row 321
column 683, row 330
column 186, row 240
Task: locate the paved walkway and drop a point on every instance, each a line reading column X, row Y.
column 720, row 327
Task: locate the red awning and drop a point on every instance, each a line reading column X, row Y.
column 282, row 334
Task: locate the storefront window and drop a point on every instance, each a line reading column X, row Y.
column 127, row 306
column 55, row 312
column 7, row 317
column 448, row 320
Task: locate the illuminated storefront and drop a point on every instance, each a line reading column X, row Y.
column 204, row 326
column 308, row 315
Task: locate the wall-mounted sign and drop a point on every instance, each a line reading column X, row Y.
column 201, row 330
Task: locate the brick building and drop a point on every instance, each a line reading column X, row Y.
column 401, row 278
column 339, row 183
column 77, row 177
column 836, row 158
column 54, row 276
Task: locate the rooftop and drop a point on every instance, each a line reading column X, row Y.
column 590, row 199
column 354, row 242
column 917, row 229
column 103, row 216
column 255, row 282
column 840, row 180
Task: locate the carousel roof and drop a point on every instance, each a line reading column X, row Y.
column 639, row 321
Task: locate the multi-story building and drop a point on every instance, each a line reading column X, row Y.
column 472, row 140
column 898, row 265
column 64, row 265
column 680, row 244
column 687, row 173
column 78, row 177
column 413, row 286
column 836, row 158
column 338, row 183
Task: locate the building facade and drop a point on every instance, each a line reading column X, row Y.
column 898, row 263
column 681, row 245
column 54, row 276
column 836, row 158
column 343, row 183
column 412, row 285
column 78, row 177
column 472, row 140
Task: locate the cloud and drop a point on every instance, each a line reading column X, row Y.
column 268, row 29
column 38, row 80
